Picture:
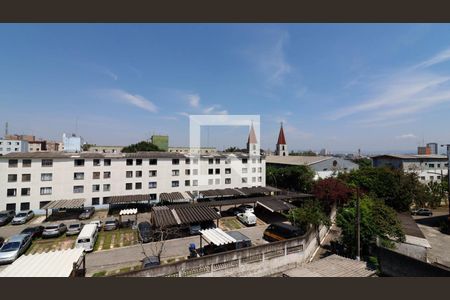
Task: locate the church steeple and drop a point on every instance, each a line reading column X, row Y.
column 281, row 147
column 252, row 142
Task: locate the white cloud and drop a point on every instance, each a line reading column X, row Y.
column 194, row 100
column 136, row 100
column 441, row 57
column 214, row 110
column 407, row 136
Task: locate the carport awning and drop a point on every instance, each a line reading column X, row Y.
column 127, row 199
column 48, row 264
column 175, row 197
column 130, row 211
column 164, row 216
column 217, row 237
column 274, row 205
column 65, row 204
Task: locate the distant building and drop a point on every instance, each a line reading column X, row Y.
column 105, row 149
column 194, row 150
column 36, row 146
column 427, row 167
column 162, row 141
column 281, row 147
column 323, row 152
column 72, row 143
column 21, row 137
column 12, row 146
column 433, row 148
column 53, row 146
column 423, row 150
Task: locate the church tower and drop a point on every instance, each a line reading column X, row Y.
column 252, row 143
column 281, row 148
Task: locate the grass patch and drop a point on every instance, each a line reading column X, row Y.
column 231, row 223
column 128, row 235
column 51, row 244
column 99, row 274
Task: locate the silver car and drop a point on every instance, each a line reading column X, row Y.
column 74, row 229
column 54, row 230
column 14, row 247
column 111, row 224
column 22, row 217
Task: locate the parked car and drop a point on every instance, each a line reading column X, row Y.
column 22, row 217
column 74, row 229
column 54, row 230
column 234, row 211
column 281, row 231
column 422, row 212
column 111, row 224
column 35, row 231
column 145, row 232
column 87, row 213
column 247, row 218
column 150, row 261
column 6, row 216
column 98, row 223
column 14, row 247
column 246, row 208
column 87, row 238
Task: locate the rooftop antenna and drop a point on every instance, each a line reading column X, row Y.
column 6, row 130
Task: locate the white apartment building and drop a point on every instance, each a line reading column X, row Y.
column 11, row 146
column 31, row 180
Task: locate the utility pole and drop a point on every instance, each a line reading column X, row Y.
column 448, row 175
column 358, row 229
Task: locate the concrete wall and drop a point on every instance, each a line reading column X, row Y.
column 411, row 250
column 257, row 261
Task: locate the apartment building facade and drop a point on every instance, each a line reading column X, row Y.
column 31, row 180
column 427, row 167
column 12, row 146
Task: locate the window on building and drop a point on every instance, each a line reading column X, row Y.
column 138, row 162
column 78, row 176
column 228, row 171
column 96, row 162
column 254, row 160
column 106, row 175
column 106, row 187
column 187, row 183
column 438, row 177
column 227, row 180
column 431, row 178
column 13, row 163
column 43, row 203
column 195, row 161
column 96, row 201
column 244, row 160
column 217, row 171
column 96, row 188
column 210, row 161
column 153, row 161
column 78, row 162
column 188, row 161
column 210, row 181
column 175, row 172
column 253, row 179
column 26, row 163
column 260, row 179
column 244, row 179
column 129, row 174
column 47, row 163
column 138, row 173
column 138, row 185
column 244, row 170
column 107, row 162
column 431, row 165
column 253, row 170
column 129, row 162
column 195, row 182
column 175, row 161
column 217, row 160
column 195, row 171
column 46, row 191
column 96, row 175
column 227, row 161
column 46, row 176
column 175, row 183
column 217, row 181
column 12, row 177
column 106, row 199
column 259, row 170
column 24, row 206
column 187, row 172
column 152, row 173
column 26, row 177
column 152, row 196
column 210, row 171
column 78, row 189
column 11, row 192
column 128, row 186
column 10, row 206
column 152, row 185
column 422, row 178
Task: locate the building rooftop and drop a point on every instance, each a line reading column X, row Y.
column 412, row 156
column 296, row 160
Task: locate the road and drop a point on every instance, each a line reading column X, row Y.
column 125, row 256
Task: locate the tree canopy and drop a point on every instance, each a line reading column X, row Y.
column 310, row 213
column 303, row 153
column 332, row 190
column 296, row 178
column 140, row 147
column 377, row 220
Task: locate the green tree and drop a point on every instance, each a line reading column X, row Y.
column 293, row 178
column 310, row 214
column 363, row 162
column 86, row 146
column 303, row 153
column 377, row 220
column 140, row 147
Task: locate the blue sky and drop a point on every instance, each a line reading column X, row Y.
column 378, row 87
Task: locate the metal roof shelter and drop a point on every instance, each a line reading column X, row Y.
column 63, row 263
column 176, row 197
column 127, row 199
column 163, row 216
column 130, row 211
column 217, row 236
column 65, row 204
column 274, row 204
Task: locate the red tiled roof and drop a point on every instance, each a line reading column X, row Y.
column 252, row 136
column 281, row 138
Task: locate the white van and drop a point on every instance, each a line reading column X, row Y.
column 87, row 237
column 247, row 218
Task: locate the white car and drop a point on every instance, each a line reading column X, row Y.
column 98, row 223
column 247, row 218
